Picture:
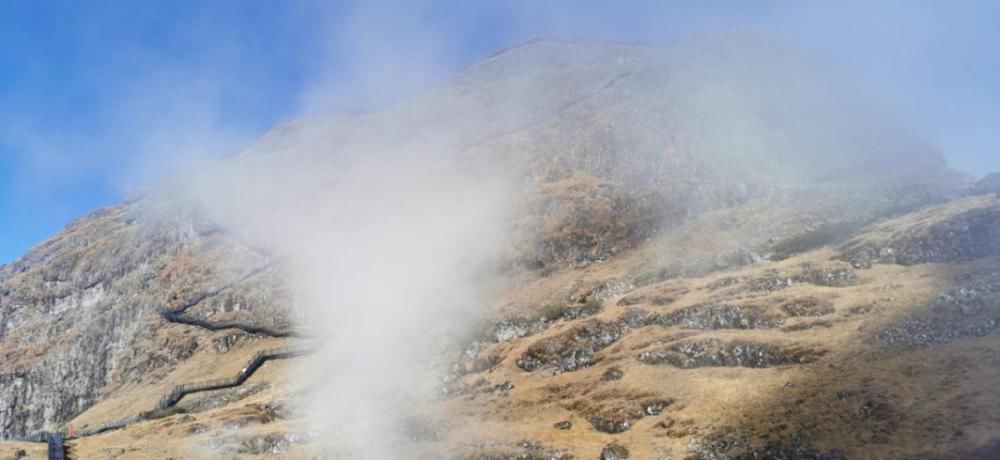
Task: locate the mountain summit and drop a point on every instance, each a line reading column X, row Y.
column 568, row 250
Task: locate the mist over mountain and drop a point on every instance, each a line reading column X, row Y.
column 720, row 248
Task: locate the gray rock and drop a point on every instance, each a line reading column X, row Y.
column 612, row 373
column 614, row 452
column 564, row 425
column 716, row 353
column 86, row 301
column 987, row 185
column 968, row 235
column 572, row 350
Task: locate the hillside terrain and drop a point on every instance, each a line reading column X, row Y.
column 690, row 269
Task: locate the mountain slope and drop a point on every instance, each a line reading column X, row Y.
column 692, row 267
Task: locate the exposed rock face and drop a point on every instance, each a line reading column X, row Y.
column 572, row 350
column 75, row 301
column 583, row 219
column 715, row 353
column 969, row 310
column 774, row 281
column 795, row 450
column 720, row 317
column 967, row 233
column 988, row 184
column 79, row 312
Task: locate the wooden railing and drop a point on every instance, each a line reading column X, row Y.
column 171, row 399
column 177, row 315
column 180, row 391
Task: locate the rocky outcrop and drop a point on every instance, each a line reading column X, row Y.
column 716, row 353
column 69, row 306
column 796, row 449
column 719, row 317
column 79, row 312
column 969, row 310
column 987, row 185
column 954, row 233
column 582, row 219
column 571, row 350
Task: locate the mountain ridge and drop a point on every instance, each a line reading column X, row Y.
column 649, row 202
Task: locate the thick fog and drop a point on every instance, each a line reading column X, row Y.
column 388, row 244
column 384, row 262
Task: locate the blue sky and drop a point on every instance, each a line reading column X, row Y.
column 100, row 97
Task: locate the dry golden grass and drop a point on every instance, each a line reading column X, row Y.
column 10, row 450
column 206, row 364
column 871, row 401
